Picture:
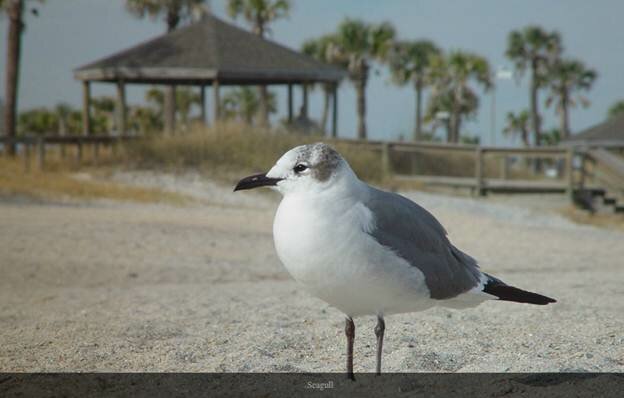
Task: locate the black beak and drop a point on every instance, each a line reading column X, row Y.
column 255, row 181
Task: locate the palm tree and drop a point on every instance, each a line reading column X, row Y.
column 243, row 103
column 452, row 92
column 320, row 50
column 145, row 120
column 357, row 45
column 63, row 112
column 186, row 99
column 74, row 122
column 552, row 137
column 156, row 98
column 616, row 109
column 442, row 102
column 566, row 77
column 410, row 61
column 103, row 113
column 38, row 121
column 519, row 124
column 174, row 11
column 259, row 14
column 535, row 49
column 14, row 10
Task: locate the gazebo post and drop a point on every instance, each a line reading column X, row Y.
column 202, row 99
column 334, row 130
column 290, row 103
column 216, row 100
column 86, row 107
column 304, row 106
column 170, row 109
column 121, row 107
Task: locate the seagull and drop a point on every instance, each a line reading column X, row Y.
column 366, row 251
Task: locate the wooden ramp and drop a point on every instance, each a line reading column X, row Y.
column 491, row 184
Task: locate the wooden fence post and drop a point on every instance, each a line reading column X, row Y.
column 114, row 146
column 570, row 172
column 582, row 172
column 505, row 167
column 480, row 191
column 26, row 155
column 62, row 148
column 40, row 153
column 96, row 152
column 79, row 150
column 386, row 166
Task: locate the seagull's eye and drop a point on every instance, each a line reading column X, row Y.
column 300, row 167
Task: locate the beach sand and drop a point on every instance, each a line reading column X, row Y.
column 121, row 287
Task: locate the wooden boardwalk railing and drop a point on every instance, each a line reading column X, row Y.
column 479, row 183
column 37, row 144
column 474, row 177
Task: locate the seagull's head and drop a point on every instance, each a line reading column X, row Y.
column 305, row 169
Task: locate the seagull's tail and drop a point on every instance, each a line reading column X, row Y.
column 504, row 292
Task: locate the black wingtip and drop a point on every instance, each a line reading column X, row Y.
column 510, row 293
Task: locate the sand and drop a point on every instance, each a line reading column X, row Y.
column 105, row 286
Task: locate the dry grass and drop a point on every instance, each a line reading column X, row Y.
column 58, row 182
column 612, row 221
column 448, row 162
column 230, row 148
column 224, row 153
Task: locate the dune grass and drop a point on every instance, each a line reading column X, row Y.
column 232, row 149
column 226, row 151
column 60, row 182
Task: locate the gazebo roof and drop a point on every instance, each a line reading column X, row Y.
column 207, row 50
column 607, row 133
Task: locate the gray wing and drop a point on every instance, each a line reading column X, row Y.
column 414, row 234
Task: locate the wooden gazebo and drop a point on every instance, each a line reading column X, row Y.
column 212, row 53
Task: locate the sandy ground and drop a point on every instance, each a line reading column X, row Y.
column 126, row 287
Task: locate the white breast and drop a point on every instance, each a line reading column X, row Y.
column 328, row 251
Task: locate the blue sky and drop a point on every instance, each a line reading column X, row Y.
column 69, row 33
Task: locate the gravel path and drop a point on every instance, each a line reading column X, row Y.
column 125, row 287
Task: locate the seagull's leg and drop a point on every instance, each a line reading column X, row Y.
column 350, row 333
column 379, row 332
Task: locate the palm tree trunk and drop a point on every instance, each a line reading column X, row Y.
column 450, row 137
column 418, row 121
column 535, row 116
column 456, row 128
column 62, row 127
column 525, row 137
column 263, row 93
column 14, row 41
column 455, row 115
column 325, row 114
column 248, row 118
column 564, row 118
column 360, row 88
